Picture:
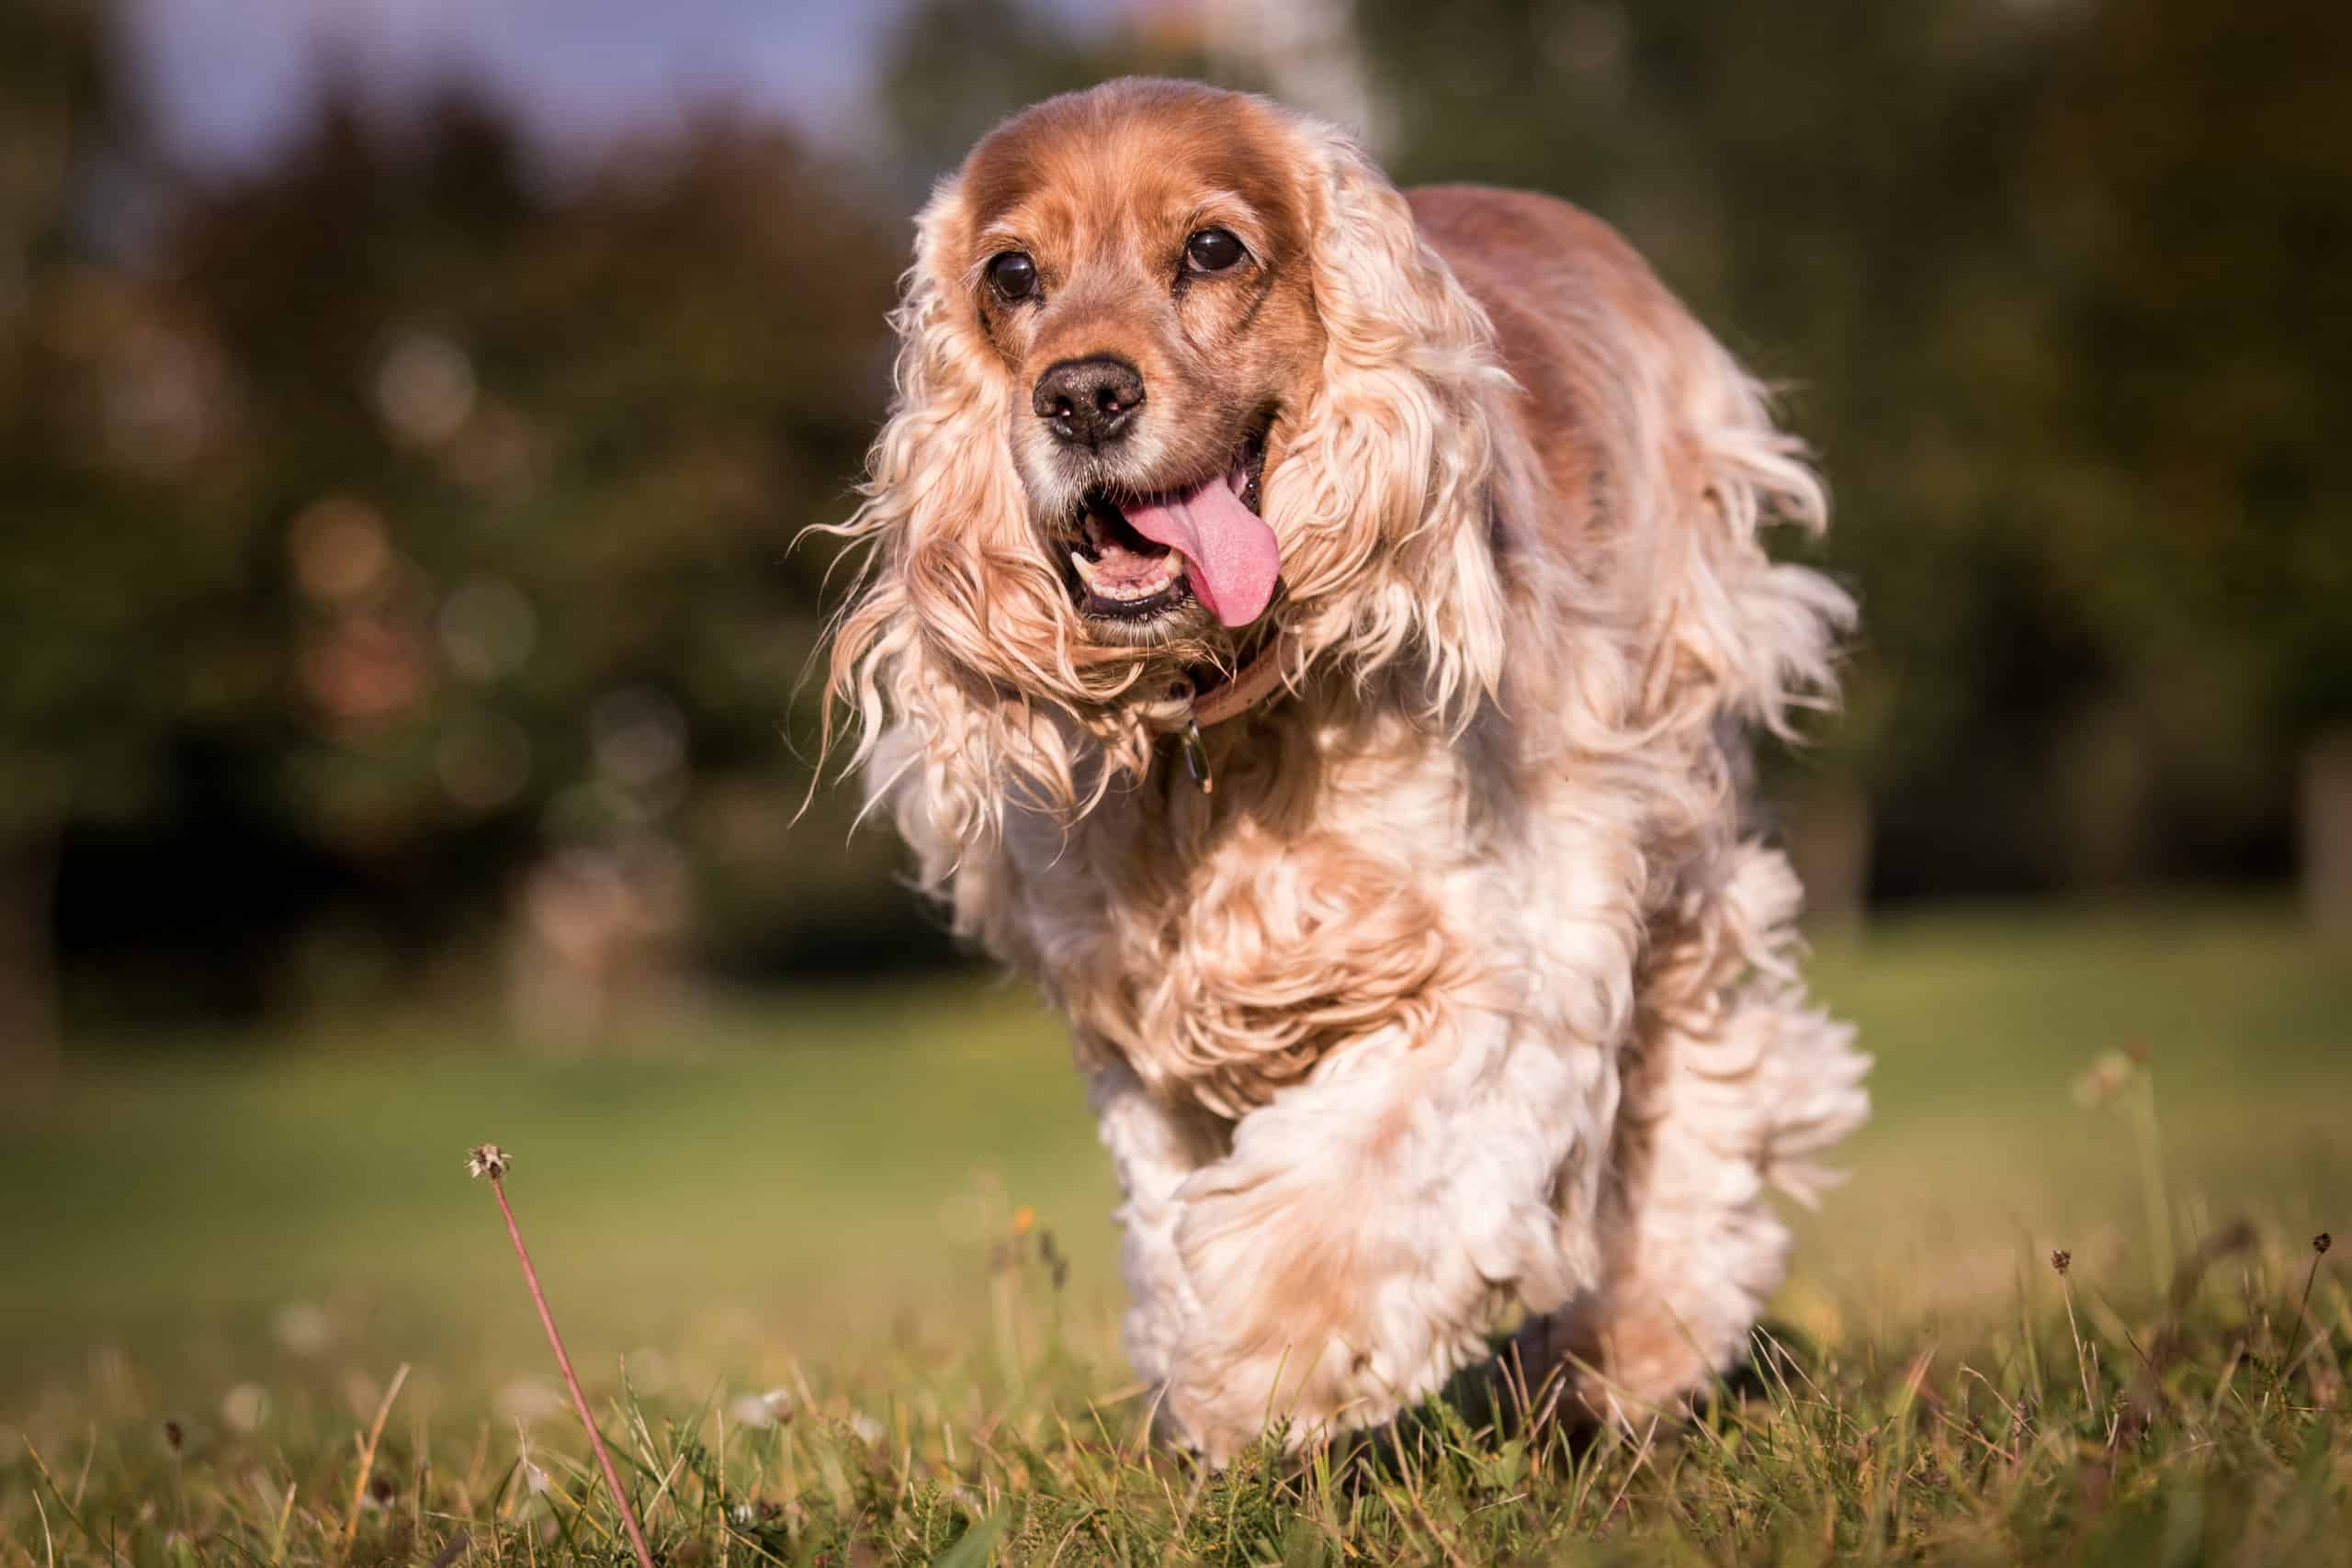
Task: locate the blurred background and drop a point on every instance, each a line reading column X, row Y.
column 407, row 408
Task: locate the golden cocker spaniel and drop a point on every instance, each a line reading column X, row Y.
column 1314, row 629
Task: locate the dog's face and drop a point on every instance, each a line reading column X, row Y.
column 1138, row 262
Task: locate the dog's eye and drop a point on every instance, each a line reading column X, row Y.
column 1013, row 274
column 1212, row 250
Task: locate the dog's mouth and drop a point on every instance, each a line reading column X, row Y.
column 1137, row 558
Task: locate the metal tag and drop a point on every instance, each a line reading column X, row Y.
column 1196, row 756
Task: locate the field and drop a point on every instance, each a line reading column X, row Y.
column 838, row 1271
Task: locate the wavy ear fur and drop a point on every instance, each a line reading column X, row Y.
column 1763, row 633
column 1409, row 471
column 1382, row 499
column 958, row 627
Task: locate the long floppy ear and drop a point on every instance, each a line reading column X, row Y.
column 1385, row 498
column 1762, row 635
column 958, row 629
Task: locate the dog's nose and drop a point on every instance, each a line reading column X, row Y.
column 1089, row 402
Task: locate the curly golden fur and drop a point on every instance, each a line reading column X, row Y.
column 1465, row 994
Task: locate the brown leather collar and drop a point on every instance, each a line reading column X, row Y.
column 1251, row 684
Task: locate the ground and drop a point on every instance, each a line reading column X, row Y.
column 837, row 1271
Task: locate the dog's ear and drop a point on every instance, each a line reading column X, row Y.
column 945, row 511
column 1740, row 631
column 958, row 627
column 1385, row 499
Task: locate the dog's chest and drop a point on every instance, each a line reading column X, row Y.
column 1223, row 946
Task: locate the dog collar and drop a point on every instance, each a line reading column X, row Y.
column 1251, row 684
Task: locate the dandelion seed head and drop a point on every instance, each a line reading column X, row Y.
column 302, row 1328
column 526, row 1399
column 488, row 1159
column 772, row 1408
column 243, row 1406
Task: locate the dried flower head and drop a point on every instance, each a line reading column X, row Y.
column 2108, row 1076
column 1056, row 1264
column 2061, row 1259
column 174, row 1436
column 488, row 1159
column 2322, row 1242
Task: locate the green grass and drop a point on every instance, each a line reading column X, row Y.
column 213, row 1262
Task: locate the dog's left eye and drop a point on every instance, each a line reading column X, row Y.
column 1013, row 274
column 1213, row 250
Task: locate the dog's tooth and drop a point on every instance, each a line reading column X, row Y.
column 1085, row 568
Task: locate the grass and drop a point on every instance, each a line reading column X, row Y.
column 837, row 1271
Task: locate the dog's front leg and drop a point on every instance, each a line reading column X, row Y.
column 1368, row 1228
column 1739, row 1086
column 1154, row 1148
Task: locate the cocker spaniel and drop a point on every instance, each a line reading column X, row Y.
column 1314, row 629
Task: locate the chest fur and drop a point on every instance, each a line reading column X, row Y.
column 1224, row 945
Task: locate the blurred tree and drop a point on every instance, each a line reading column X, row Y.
column 410, row 515
column 529, row 462
column 2050, row 281
column 63, row 124
column 2197, row 171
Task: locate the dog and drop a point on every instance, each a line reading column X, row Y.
column 1315, row 631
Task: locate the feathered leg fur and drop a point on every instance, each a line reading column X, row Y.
column 1730, row 1094
column 1364, row 1233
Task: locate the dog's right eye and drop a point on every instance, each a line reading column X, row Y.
column 1213, row 250
column 1013, row 274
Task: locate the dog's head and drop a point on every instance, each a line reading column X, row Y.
column 1138, row 262
column 1175, row 366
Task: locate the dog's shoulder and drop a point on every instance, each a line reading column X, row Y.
column 1498, row 222
column 1536, row 261
column 1569, row 300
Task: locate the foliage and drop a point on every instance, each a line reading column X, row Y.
column 420, row 525
column 574, row 431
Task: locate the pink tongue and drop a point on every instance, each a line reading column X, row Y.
column 1232, row 553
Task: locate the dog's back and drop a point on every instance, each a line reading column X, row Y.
column 1658, row 452
column 1558, row 283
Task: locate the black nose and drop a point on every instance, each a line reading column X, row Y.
column 1089, row 402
